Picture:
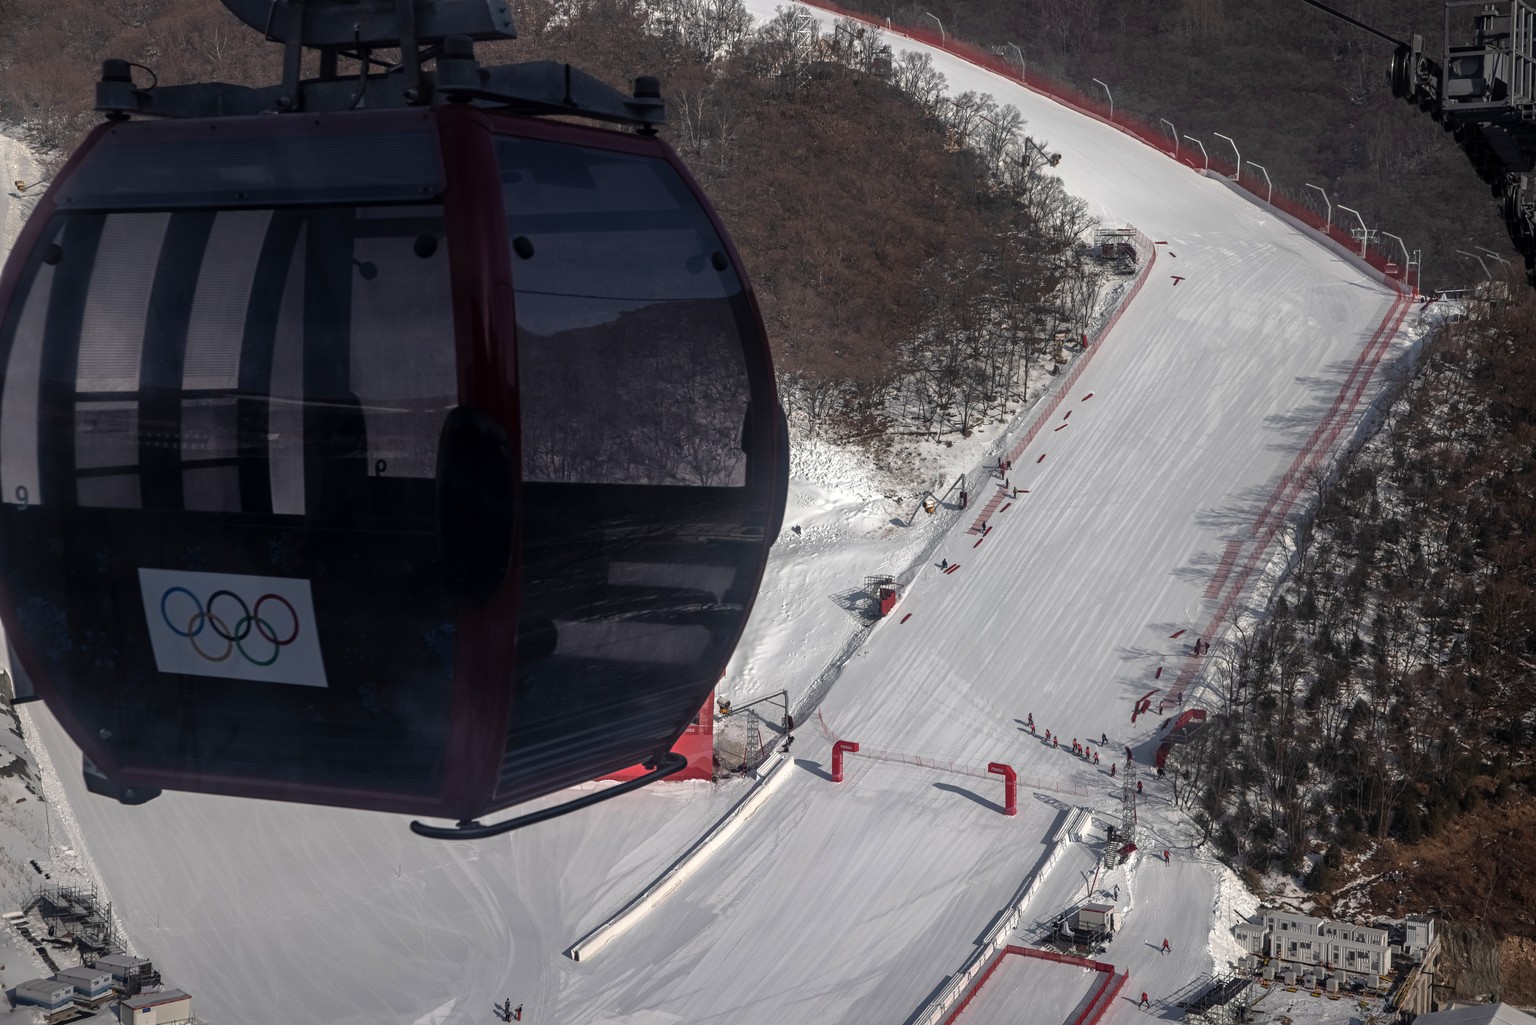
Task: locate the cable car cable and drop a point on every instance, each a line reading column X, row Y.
column 1355, row 22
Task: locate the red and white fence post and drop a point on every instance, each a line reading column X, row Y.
column 837, row 757
column 1010, row 786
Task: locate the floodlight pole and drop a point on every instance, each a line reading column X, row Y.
column 936, row 21
column 1203, row 154
column 1489, row 252
column 1173, row 132
column 1270, row 199
column 1504, row 269
column 1365, row 232
column 1111, row 100
column 1320, row 192
column 1023, row 68
column 1239, row 175
column 1480, row 260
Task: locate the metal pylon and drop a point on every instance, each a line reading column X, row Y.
column 1128, row 831
column 754, row 742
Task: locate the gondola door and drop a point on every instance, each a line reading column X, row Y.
column 652, row 450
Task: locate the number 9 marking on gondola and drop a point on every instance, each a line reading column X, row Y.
column 21, row 495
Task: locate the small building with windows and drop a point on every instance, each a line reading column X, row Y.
column 50, row 995
column 93, row 986
column 1418, row 936
column 1252, row 935
column 1098, row 919
column 122, row 965
column 1306, row 940
column 130, row 975
column 166, row 1007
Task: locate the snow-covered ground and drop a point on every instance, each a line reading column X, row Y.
column 1046, row 991
column 850, row 902
column 17, row 164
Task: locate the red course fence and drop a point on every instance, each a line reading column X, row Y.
column 1234, row 578
column 1145, row 246
column 1132, row 126
column 1062, row 391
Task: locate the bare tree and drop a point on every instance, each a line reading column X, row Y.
column 914, row 74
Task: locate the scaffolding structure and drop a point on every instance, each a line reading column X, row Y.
column 1224, row 1001
column 75, row 915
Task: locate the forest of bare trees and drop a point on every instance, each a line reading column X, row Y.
column 1392, row 688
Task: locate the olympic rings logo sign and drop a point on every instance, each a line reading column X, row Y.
column 207, row 623
column 233, row 626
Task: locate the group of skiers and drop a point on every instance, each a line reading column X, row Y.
column 1004, row 468
column 1083, row 751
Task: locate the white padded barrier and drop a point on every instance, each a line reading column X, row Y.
column 684, row 867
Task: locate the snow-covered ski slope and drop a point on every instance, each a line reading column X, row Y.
column 852, row 902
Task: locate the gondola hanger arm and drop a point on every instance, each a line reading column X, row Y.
column 472, row 830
